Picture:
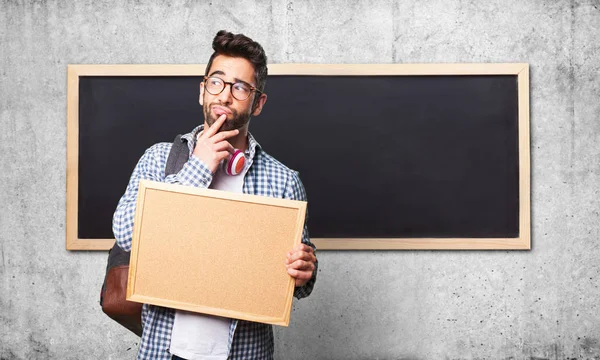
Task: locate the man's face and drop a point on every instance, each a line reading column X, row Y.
column 238, row 112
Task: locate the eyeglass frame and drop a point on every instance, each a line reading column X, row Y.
column 225, row 83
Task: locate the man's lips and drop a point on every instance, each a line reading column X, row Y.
column 220, row 110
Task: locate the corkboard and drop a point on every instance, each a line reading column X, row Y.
column 214, row 252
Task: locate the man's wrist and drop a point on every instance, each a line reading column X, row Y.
column 195, row 173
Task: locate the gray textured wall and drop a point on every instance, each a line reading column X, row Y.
column 537, row 304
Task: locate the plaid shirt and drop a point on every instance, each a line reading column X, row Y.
column 266, row 176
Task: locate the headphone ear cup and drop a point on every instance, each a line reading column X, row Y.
column 235, row 163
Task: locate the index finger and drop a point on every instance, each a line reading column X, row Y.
column 303, row 247
column 301, row 255
column 214, row 128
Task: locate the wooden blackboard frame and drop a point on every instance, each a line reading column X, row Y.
column 520, row 70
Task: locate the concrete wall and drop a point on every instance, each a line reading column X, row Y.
column 538, row 304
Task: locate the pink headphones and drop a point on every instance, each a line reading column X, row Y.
column 234, row 164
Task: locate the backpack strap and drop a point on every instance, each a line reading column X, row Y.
column 178, row 156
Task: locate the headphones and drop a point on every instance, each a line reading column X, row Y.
column 234, row 164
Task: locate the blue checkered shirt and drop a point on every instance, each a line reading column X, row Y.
column 266, row 176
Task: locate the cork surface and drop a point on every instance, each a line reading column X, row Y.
column 214, row 255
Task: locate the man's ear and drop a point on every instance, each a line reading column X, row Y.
column 201, row 98
column 259, row 104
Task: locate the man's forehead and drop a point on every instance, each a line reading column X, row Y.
column 232, row 68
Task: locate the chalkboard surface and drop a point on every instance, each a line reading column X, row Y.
column 381, row 157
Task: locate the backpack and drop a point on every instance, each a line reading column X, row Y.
column 114, row 288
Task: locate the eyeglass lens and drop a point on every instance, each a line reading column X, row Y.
column 239, row 90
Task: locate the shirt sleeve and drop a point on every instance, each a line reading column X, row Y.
column 151, row 166
column 295, row 191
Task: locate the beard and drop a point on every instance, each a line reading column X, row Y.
column 237, row 120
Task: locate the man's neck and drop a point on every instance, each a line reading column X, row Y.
column 241, row 140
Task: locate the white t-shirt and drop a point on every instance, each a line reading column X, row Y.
column 200, row 336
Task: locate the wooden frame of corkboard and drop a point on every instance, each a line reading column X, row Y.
column 214, row 252
column 521, row 70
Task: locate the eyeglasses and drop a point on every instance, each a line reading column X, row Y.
column 239, row 90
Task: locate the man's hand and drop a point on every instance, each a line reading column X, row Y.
column 212, row 146
column 300, row 263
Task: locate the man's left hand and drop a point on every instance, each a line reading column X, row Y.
column 300, row 263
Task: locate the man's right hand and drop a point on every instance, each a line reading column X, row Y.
column 212, row 146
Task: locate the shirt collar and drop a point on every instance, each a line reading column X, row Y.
column 253, row 145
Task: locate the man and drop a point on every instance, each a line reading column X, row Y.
column 231, row 92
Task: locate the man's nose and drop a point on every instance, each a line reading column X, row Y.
column 225, row 96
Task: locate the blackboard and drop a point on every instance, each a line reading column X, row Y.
column 392, row 157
